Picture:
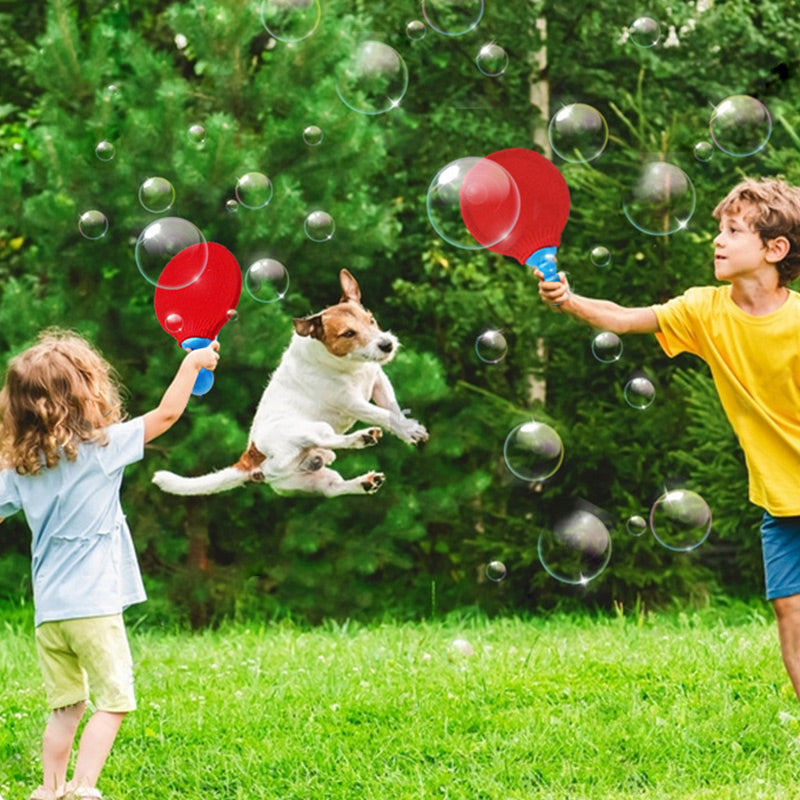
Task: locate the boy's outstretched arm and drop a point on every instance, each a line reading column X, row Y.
column 601, row 314
column 173, row 403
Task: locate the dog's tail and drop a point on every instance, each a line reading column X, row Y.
column 219, row 481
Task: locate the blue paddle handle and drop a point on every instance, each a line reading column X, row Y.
column 545, row 261
column 205, row 378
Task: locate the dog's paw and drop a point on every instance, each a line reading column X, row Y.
column 372, row 482
column 413, row 432
column 371, row 436
column 313, row 463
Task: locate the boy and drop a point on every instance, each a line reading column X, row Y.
column 748, row 332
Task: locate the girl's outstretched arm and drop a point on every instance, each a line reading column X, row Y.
column 173, row 403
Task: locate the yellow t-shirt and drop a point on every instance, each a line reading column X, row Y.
column 755, row 363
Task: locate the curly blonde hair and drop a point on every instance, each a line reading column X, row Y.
column 58, row 393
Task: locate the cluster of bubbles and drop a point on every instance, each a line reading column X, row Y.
column 659, row 201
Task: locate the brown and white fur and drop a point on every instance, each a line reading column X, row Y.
column 329, row 377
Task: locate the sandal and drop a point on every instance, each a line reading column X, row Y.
column 42, row 793
column 72, row 792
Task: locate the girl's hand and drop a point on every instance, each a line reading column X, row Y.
column 205, row 357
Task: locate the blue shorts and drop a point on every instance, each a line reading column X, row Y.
column 780, row 542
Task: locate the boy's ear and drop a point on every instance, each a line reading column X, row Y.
column 777, row 249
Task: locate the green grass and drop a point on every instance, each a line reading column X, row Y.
column 682, row 706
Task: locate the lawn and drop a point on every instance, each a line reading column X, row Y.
column 634, row 705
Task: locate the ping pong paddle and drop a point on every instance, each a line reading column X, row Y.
column 195, row 313
column 543, row 209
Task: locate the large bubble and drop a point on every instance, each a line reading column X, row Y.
column 740, row 125
column 680, row 520
column 290, row 20
column 576, row 549
column 578, row 133
column 661, row 200
column 473, row 188
column 373, row 80
column 452, row 17
column 163, row 239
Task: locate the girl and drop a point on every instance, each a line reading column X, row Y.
column 63, row 448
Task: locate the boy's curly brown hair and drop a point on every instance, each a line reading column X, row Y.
column 772, row 207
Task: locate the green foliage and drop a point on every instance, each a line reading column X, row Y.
column 139, row 74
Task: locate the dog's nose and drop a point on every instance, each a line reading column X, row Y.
column 386, row 346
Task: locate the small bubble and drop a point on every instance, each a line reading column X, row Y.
column 156, row 195
column 645, row 32
column 492, row 60
column 93, row 224
column 312, row 135
column 104, row 151
column 319, row 226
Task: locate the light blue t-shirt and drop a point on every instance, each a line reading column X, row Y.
column 83, row 560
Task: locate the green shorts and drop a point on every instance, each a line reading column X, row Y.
column 83, row 657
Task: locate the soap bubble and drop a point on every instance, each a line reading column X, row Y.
column 600, row 256
column 492, row 60
column 680, row 520
column 173, row 322
column 232, row 314
column 636, row 525
column 639, row 392
column 253, row 190
column 163, row 239
column 491, row 347
column 416, row 30
column 740, row 125
column 459, row 652
column 373, row 80
column 197, row 134
column 533, row 451
column 93, row 224
column 452, row 17
column 312, row 135
column 104, row 151
column 319, row 226
column 703, row 151
column 578, row 133
column 290, row 20
column 576, row 549
column 266, row 280
column 231, row 206
column 156, row 195
column 645, row 32
column 477, row 187
column 607, row 347
column 496, row 571
column 661, row 201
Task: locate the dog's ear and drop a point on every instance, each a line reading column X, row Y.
column 309, row 326
column 350, row 290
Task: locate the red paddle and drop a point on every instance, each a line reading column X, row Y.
column 543, row 209
column 195, row 313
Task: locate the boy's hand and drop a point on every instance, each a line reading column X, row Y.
column 554, row 293
column 205, row 357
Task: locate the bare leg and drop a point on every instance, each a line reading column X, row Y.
column 787, row 614
column 96, row 740
column 57, row 743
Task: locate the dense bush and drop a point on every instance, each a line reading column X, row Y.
column 448, row 509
